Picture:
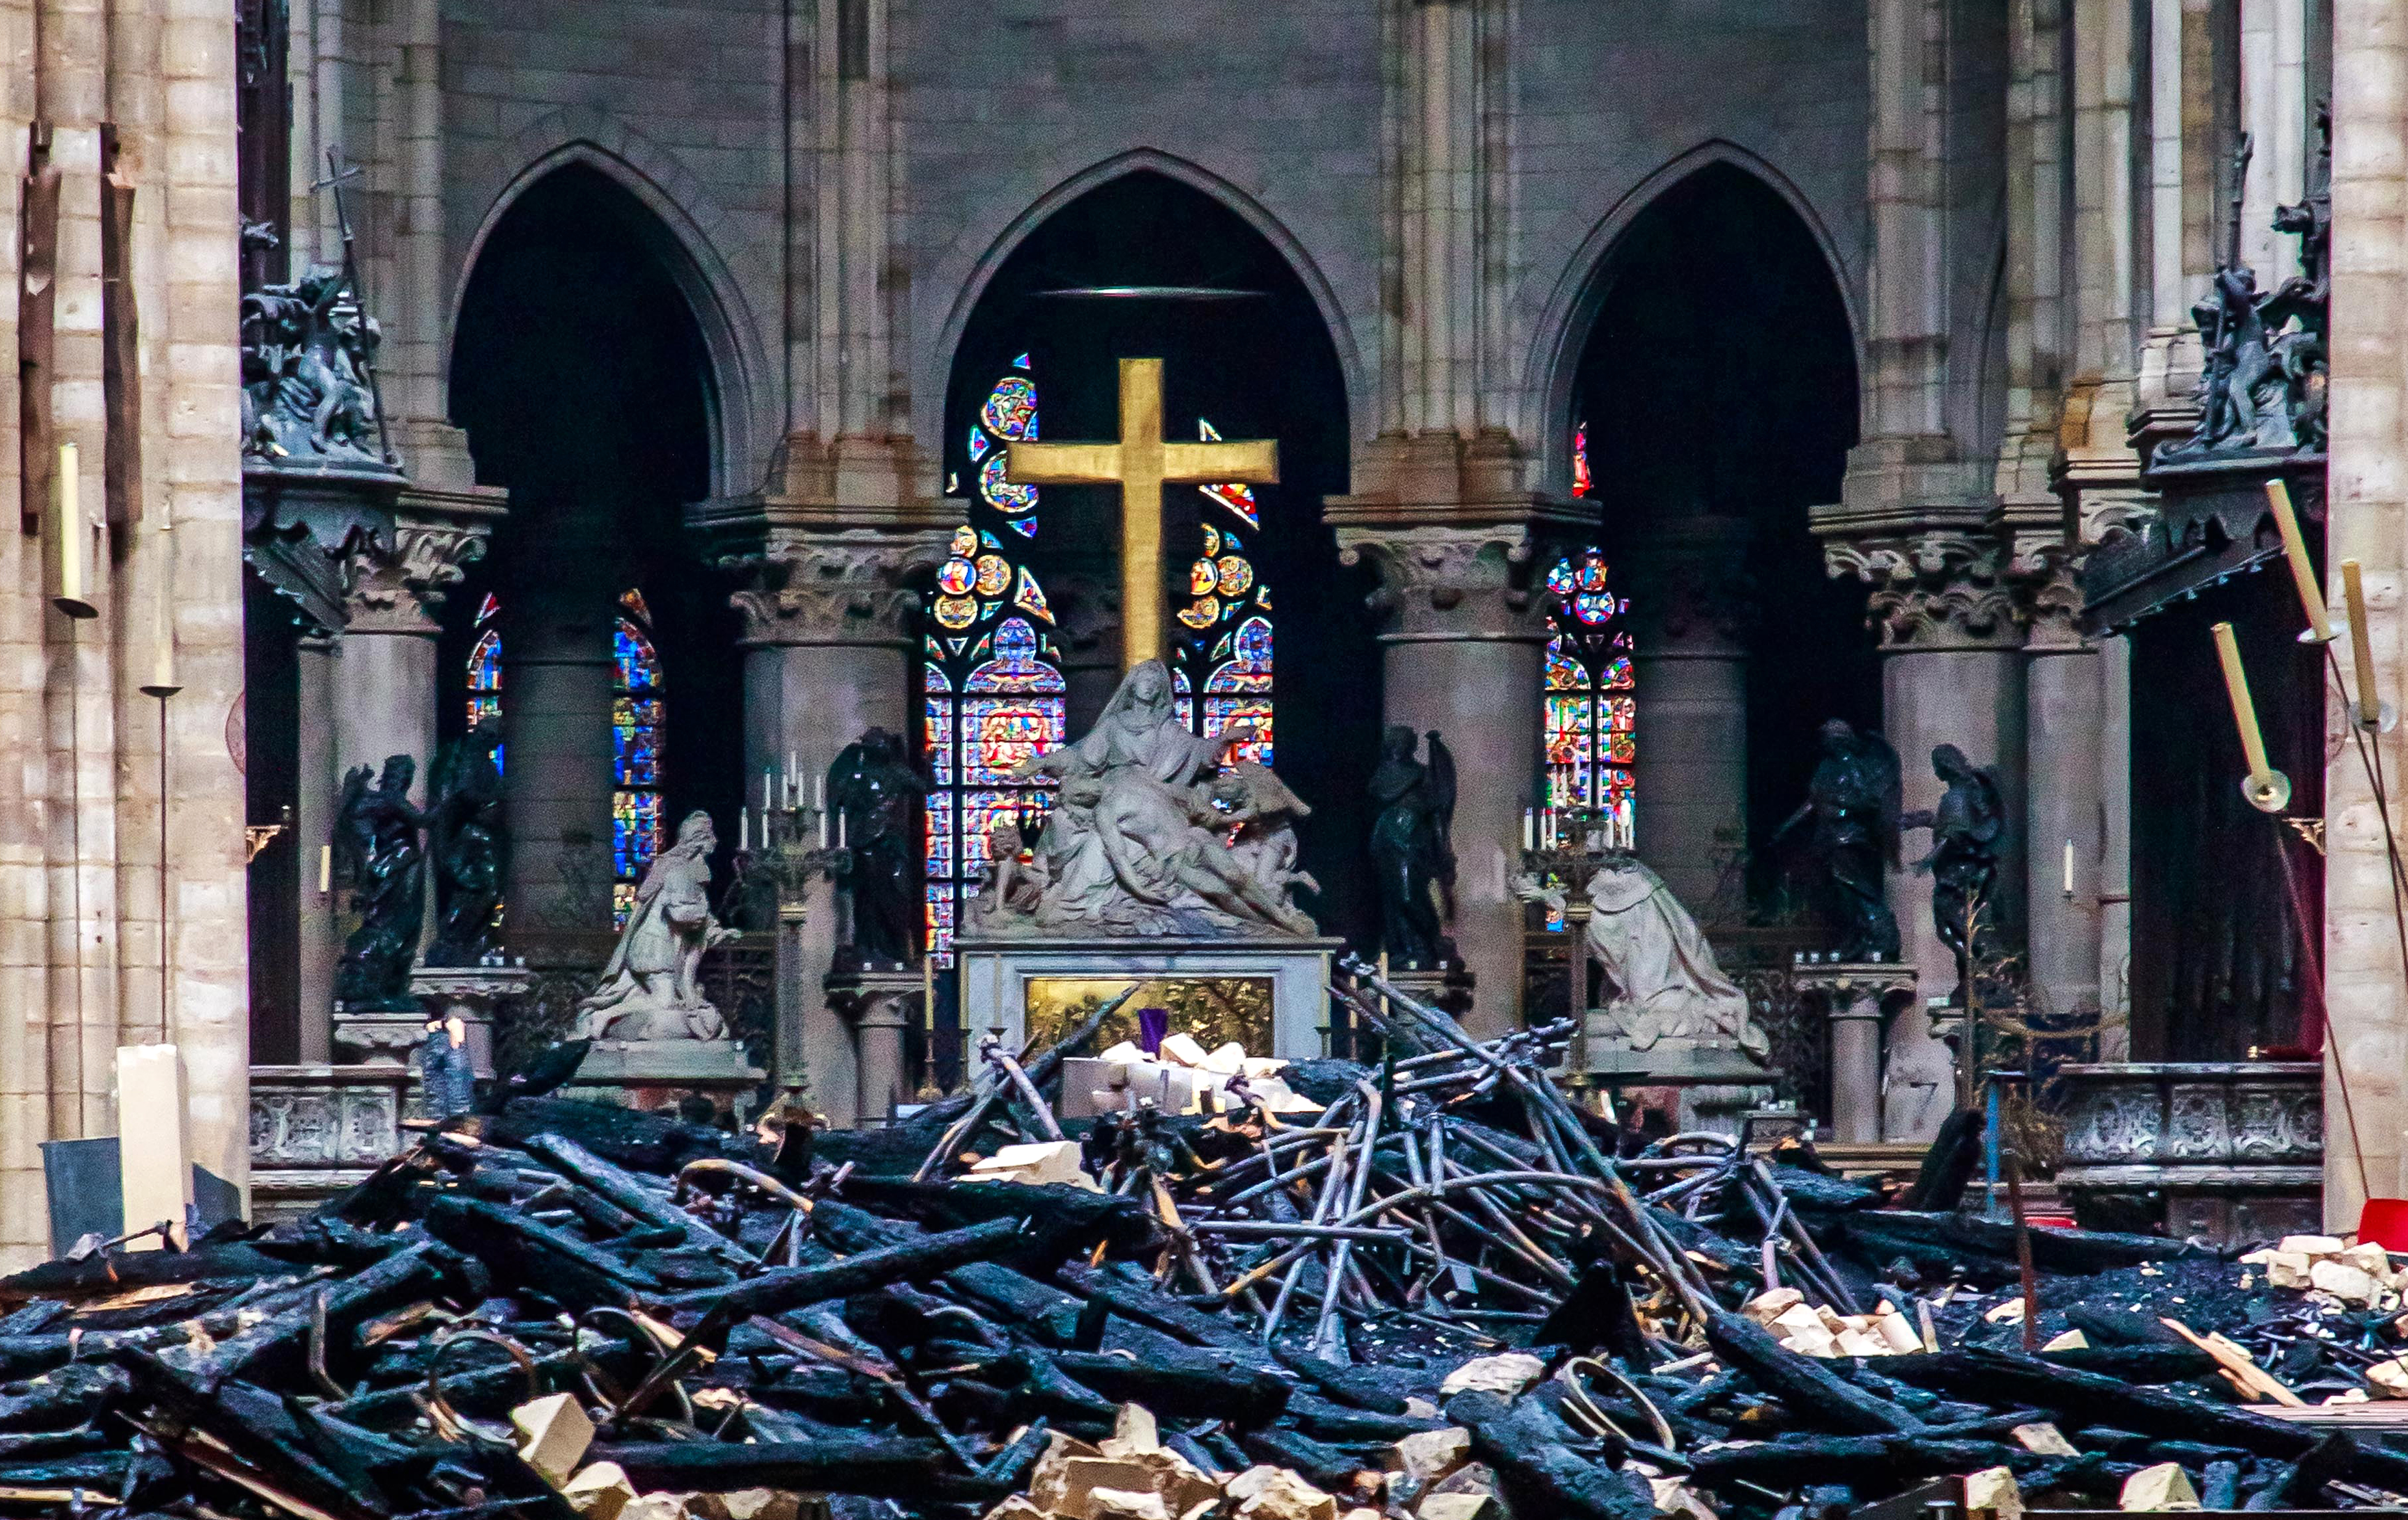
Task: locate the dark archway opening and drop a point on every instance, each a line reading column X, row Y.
column 581, row 377
column 1720, row 380
column 1257, row 366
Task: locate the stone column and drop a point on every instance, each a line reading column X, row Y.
column 1952, row 674
column 2064, row 717
column 313, row 826
column 557, row 670
column 1689, row 606
column 2366, row 1005
column 828, row 631
column 1856, row 998
column 1462, row 653
column 385, row 686
column 2115, row 849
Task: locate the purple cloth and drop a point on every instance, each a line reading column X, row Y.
column 1152, row 1025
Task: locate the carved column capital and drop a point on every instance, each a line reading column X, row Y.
column 2048, row 579
column 848, row 586
column 1934, row 589
column 1450, row 580
column 394, row 580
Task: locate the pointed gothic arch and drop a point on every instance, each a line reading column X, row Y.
column 674, row 227
column 1564, row 323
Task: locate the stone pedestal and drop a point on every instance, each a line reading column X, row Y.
column 317, row 1131
column 996, row 974
column 658, row 1074
column 472, row 991
column 1448, row 988
column 1857, row 996
column 879, row 1008
column 1713, row 1084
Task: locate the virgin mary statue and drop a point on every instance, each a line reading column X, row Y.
column 1667, row 984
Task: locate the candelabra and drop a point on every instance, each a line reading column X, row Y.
column 1562, row 848
column 793, row 848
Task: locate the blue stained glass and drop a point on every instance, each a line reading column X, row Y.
column 1015, row 666
column 978, row 444
column 932, row 675
column 1024, row 526
column 1590, row 741
column 1021, row 362
column 637, row 723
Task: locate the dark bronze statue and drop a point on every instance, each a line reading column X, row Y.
column 1853, row 804
column 2263, row 384
column 1412, row 857
column 878, row 795
column 376, row 836
column 1966, row 829
column 466, row 839
column 309, row 366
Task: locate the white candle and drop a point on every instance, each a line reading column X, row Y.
column 823, row 828
column 744, row 828
column 325, row 869
column 2069, row 867
column 839, row 829
column 795, row 777
column 1530, row 831
column 765, row 790
column 819, row 791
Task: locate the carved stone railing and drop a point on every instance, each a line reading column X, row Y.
column 316, row 1130
column 2223, row 1150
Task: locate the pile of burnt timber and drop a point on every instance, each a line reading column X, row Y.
column 1449, row 1295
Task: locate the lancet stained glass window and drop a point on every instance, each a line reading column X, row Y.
column 991, row 688
column 635, row 729
column 1227, row 651
column 485, row 668
column 1591, row 701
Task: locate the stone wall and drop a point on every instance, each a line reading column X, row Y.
column 80, row 933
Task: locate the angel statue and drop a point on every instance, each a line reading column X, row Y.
column 1966, row 830
column 1411, row 858
column 377, row 841
column 1852, row 802
column 879, row 796
column 649, row 987
column 465, row 826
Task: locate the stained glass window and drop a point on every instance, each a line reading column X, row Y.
column 1591, row 694
column 636, row 728
column 990, row 689
column 1227, row 647
column 1582, row 480
column 485, row 668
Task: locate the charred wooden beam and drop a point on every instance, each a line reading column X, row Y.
column 1807, row 1387
column 791, row 1287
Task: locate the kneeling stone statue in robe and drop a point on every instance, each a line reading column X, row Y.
column 649, row 988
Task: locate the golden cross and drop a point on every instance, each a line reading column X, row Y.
column 1142, row 463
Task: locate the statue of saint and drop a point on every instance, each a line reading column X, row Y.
column 1145, row 837
column 465, row 837
column 1667, row 984
column 377, row 836
column 1852, row 802
column 649, row 989
column 1966, row 829
column 1411, row 858
column 878, row 794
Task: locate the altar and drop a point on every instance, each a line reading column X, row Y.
column 999, row 973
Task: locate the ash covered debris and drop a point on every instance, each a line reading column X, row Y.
column 1446, row 1293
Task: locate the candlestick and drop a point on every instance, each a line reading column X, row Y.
column 819, row 792
column 1530, row 830
column 325, row 869
column 764, row 792
column 2361, row 646
column 839, row 828
column 928, row 996
column 2069, row 867
column 73, row 597
column 824, row 830
column 2266, row 788
column 744, row 828
column 2295, row 549
column 163, row 683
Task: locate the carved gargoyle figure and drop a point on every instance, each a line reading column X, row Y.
column 469, row 846
column 1411, row 858
column 376, row 838
column 308, row 362
column 1851, row 802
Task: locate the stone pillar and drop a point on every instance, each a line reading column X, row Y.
column 1952, row 673
column 1689, row 607
column 2115, row 849
column 313, row 827
column 2274, row 113
column 1857, row 997
column 828, row 621
column 2366, row 1004
column 557, row 670
column 2063, row 740
column 1462, row 653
